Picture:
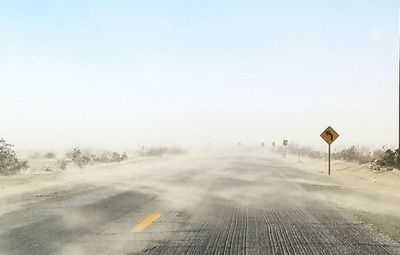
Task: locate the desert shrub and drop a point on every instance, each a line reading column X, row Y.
column 124, row 156
column 9, row 163
column 378, row 154
column 50, row 155
column 153, row 151
column 347, row 154
column 175, row 150
column 390, row 159
column 116, row 157
column 384, row 158
column 354, row 154
column 160, row 151
column 62, row 164
column 103, row 157
column 82, row 159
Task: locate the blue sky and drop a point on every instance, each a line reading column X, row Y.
column 122, row 73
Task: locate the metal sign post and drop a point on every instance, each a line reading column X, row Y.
column 285, row 144
column 329, row 135
column 329, row 159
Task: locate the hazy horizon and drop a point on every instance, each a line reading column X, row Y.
column 126, row 73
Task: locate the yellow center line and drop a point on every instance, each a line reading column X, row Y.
column 147, row 221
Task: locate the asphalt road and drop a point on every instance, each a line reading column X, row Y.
column 206, row 205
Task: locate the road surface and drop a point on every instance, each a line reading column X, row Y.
column 229, row 204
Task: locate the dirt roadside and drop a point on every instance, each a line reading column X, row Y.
column 39, row 182
column 372, row 197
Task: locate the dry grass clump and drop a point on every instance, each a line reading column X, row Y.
column 50, row 155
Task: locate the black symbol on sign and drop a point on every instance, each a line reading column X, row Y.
column 330, row 134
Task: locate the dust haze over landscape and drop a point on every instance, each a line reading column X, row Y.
column 157, row 127
column 129, row 73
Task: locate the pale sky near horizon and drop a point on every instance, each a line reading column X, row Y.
column 124, row 73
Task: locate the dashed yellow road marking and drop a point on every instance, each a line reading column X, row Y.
column 147, row 221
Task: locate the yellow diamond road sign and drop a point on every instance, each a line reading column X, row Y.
column 329, row 135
